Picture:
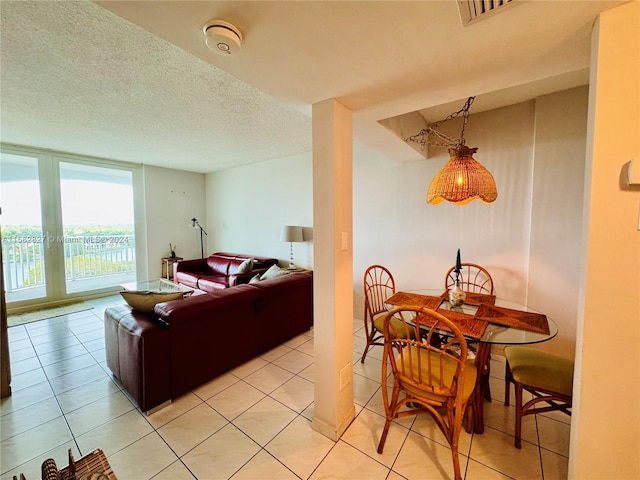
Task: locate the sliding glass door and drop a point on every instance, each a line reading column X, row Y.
column 23, row 239
column 97, row 225
column 67, row 227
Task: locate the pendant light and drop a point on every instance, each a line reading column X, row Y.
column 462, row 179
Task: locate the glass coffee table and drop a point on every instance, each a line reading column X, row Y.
column 160, row 285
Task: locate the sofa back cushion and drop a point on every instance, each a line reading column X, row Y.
column 263, row 262
column 286, row 301
column 236, row 260
column 193, row 309
column 218, row 264
column 240, row 265
column 210, row 334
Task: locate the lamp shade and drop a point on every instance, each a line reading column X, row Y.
column 289, row 233
column 462, row 180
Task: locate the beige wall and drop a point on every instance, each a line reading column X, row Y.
column 172, row 198
column 333, row 276
column 605, row 431
column 393, row 224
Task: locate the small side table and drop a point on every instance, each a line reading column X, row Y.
column 167, row 266
column 300, row 270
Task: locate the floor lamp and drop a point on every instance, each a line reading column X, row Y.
column 195, row 223
column 289, row 233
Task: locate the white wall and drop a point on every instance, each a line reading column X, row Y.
column 556, row 219
column 527, row 238
column 393, row 224
column 246, row 206
column 172, row 198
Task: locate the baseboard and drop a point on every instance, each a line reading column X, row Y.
column 331, row 432
column 159, row 407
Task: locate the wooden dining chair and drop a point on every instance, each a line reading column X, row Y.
column 548, row 377
column 378, row 286
column 473, row 278
column 428, row 377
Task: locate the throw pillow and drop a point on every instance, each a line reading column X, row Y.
column 246, row 266
column 144, row 301
column 273, row 272
column 255, row 278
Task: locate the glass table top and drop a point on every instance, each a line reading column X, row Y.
column 159, row 285
column 496, row 334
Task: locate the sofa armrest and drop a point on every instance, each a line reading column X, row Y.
column 137, row 351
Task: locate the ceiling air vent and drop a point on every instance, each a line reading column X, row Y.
column 472, row 11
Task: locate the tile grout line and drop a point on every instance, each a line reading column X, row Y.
column 55, row 395
column 264, row 395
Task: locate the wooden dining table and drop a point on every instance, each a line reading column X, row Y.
column 484, row 320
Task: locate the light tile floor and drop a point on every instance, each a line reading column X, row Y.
column 253, row 422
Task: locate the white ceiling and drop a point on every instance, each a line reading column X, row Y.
column 134, row 81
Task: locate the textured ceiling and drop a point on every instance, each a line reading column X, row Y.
column 77, row 78
column 134, row 81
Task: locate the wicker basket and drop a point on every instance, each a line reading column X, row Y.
column 93, row 466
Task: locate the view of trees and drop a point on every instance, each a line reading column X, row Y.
column 15, row 231
column 89, row 250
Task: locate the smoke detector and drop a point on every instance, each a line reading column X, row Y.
column 222, row 37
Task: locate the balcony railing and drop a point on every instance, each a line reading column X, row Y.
column 87, row 256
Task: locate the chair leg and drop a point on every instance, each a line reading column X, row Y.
column 518, row 390
column 456, row 463
column 383, row 437
column 455, row 440
column 364, row 354
column 507, row 384
column 370, row 334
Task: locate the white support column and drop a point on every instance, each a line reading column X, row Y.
column 333, row 268
column 605, row 442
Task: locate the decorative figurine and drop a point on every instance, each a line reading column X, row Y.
column 457, row 295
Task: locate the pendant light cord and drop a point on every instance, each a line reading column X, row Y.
column 422, row 138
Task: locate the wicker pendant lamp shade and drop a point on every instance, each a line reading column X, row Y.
column 462, row 180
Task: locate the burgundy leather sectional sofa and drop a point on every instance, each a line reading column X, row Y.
column 185, row 343
column 219, row 270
